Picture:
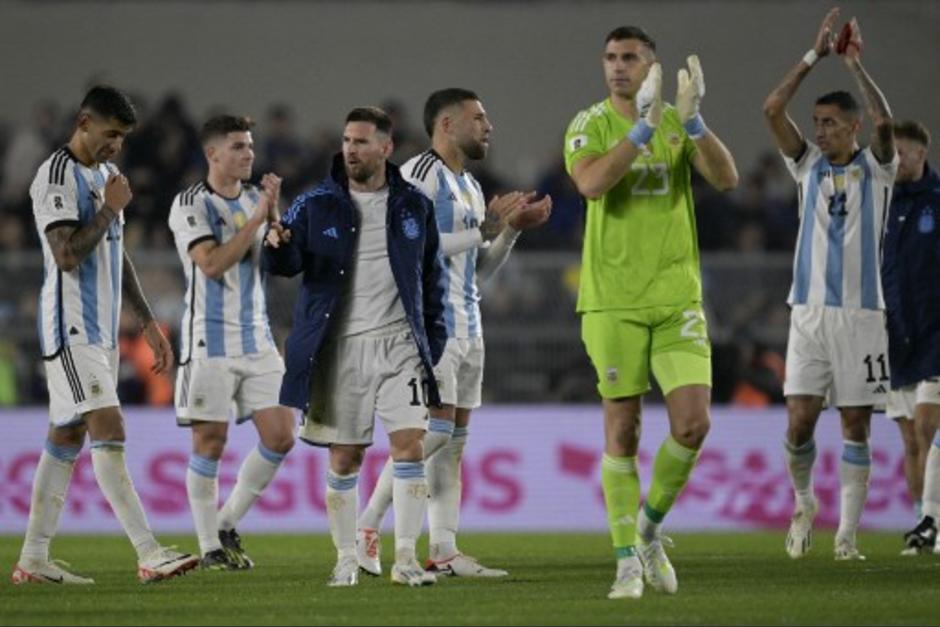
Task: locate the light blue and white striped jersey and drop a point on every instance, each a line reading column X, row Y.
column 842, row 216
column 224, row 317
column 459, row 206
column 81, row 306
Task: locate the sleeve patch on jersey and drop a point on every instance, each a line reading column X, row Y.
column 191, row 220
column 58, row 202
column 578, row 142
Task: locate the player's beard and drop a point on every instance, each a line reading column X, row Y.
column 359, row 172
column 474, row 150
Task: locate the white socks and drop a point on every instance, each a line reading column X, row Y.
column 800, row 461
column 256, row 472
column 854, row 471
column 931, row 503
column 438, row 435
column 107, row 458
column 444, row 507
column 342, row 504
column 410, row 493
column 202, row 487
column 50, row 484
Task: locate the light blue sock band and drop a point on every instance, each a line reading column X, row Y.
column 439, row 425
column 857, row 454
column 460, row 432
column 271, row 456
column 204, row 466
column 63, row 453
column 408, row 470
column 107, row 444
column 341, row 483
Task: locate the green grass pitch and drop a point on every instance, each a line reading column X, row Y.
column 555, row 579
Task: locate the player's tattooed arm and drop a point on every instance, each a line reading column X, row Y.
column 133, row 295
column 70, row 244
column 882, row 142
column 784, row 129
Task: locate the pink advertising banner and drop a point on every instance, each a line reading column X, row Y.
column 525, row 468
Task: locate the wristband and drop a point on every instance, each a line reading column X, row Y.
column 641, row 133
column 695, row 127
column 810, row 57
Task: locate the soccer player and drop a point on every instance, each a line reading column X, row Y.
column 227, row 353
column 368, row 328
column 476, row 242
column 78, row 204
column 837, row 340
column 640, row 296
column 912, row 297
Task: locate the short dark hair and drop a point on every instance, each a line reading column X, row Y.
column 222, row 125
column 630, row 32
column 440, row 100
column 842, row 99
column 110, row 103
column 373, row 115
column 914, row 131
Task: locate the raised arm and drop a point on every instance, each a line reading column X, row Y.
column 882, row 141
column 70, row 244
column 712, row 158
column 785, row 132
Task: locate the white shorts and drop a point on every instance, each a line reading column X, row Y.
column 839, row 354
column 80, row 379
column 207, row 389
column 362, row 376
column 459, row 372
column 901, row 403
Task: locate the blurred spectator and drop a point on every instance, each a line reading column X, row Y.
column 565, row 226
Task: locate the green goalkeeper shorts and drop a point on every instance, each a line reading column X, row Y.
column 624, row 345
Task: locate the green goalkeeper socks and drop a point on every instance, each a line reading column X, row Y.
column 671, row 471
column 621, row 485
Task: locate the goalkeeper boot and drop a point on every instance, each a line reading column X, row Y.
column 657, row 568
column 629, row 581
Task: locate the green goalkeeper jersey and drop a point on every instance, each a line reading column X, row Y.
column 640, row 243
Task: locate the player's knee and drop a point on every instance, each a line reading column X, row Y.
column 210, row 444
column 346, row 460
column 281, row 443
column 691, row 432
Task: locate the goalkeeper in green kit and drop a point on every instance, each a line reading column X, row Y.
column 640, row 295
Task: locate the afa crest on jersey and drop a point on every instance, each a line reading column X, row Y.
column 926, row 223
column 410, row 227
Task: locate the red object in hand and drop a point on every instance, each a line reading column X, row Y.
column 845, row 39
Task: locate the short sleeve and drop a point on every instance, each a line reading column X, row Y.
column 885, row 172
column 189, row 221
column 800, row 166
column 583, row 139
column 54, row 202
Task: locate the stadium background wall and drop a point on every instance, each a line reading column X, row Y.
column 535, row 64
